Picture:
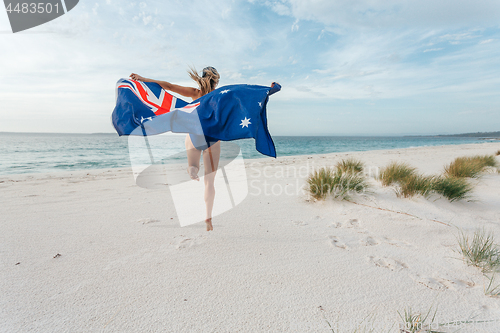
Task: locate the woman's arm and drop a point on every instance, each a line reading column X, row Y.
column 184, row 91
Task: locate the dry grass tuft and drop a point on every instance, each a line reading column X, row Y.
column 415, row 184
column 396, row 172
column 339, row 182
column 350, row 165
column 452, row 188
column 480, row 250
column 320, row 182
column 469, row 167
column 410, row 183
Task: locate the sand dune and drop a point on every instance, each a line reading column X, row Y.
column 90, row 251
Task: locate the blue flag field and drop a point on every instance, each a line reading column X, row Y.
column 229, row 113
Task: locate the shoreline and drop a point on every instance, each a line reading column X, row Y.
column 79, row 172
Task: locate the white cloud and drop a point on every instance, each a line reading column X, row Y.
column 280, row 7
column 147, row 19
column 433, row 50
column 486, row 41
column 460, row 36
column 391, row 13
column 343, row 52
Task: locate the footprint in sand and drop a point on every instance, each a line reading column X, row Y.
column 389, row 263
column 300, row 223
column 369, row 241
column 147, row 220
column 397, row 243
column 353, row 223
column 183, row 242
column 335, row 241
column 438, row 283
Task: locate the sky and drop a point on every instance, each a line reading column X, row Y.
column 347, row 67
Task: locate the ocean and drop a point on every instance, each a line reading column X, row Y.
column 51, row 152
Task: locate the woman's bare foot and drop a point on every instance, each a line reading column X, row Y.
column 209, row 224
column 193, row 173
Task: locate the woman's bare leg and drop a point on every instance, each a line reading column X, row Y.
column 211, row 163
column 193, row 157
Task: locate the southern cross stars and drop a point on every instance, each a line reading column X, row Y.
column 245, row 122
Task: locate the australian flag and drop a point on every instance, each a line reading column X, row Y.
column 228, row 113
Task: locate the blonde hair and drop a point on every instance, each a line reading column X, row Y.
column 207, row 81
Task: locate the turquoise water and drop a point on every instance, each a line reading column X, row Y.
column 36, row 152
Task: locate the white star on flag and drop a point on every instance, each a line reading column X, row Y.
column 245, row 122
column 224, row 91
column 260, row 104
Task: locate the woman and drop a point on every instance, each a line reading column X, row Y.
column 206, row 83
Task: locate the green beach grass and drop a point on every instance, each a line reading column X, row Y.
column 410, row 183
column 414, row 322
column 469, row 167
column 415, row 184
column 350, row 165
column 396, row 172
column 320, row 182
column 345, row 178
column 480, row 250
column 452, row 188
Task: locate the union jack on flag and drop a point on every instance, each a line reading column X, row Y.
column 159, row 103
column 137, row 102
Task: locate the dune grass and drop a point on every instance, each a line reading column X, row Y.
column 320, row 182
column 415, row 184
column 452, row 188
column 480, row 250
column 488, row 160
column 395, row 172
column 410, row 183
column 416, row 322
column 346, row 183
column 346, row 177
column 411, row 322
column 350, row 165
column 493, row 287
column 469, row 167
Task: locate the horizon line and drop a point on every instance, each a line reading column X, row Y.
column 319, row 135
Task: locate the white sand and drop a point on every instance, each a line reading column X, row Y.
column 275, row 263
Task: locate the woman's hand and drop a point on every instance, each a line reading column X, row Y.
column 272, row 84
column 136, row 77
